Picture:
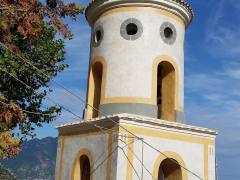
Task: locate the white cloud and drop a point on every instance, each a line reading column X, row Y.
column 222, row 32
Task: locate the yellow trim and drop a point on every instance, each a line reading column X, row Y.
column 76, row 165
column 129, row 169
column 126, row 100
column 174, row 156
column 144, row 9
column 91, row 84
column 85, row 133
column 91, row 132
column 156, row 62
column 109, row 162
column 205, row 162
column 166, row 135
column 61, row 139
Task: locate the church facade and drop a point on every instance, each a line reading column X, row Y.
column 134, row 125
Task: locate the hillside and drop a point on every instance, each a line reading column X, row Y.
column 36, row 161
column 6, row 174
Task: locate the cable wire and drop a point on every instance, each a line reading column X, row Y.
column 66, row 109
column 130, row 162
column 139, row 160
column 30, row 112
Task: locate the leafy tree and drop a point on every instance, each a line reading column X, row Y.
column 26, row 16
column 28, row 28
column 10, row 116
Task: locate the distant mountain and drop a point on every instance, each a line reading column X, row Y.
column 6, row 174
column 36, row 160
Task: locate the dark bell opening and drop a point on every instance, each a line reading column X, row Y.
column 131, row 29
column 168, row 32
column 98, row 35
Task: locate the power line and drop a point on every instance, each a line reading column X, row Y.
column 130, row 162
column 139, row 160
column 99, row 127
column 30, row 112
column 85, row 103
column 66, row 109
column 172, row 160
column 108, row 156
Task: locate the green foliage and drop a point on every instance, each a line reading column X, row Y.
column 46, row 53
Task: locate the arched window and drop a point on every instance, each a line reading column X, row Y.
column 166, row 91
column 169, row 170
column 85, row 169
column 95, row 86
column 82, row 166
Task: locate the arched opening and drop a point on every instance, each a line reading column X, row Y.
column 82, row 168
column 169, row 170
column 166, row 91
column 95, row 86
column 85, row 168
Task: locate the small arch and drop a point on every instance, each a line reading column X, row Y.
column 166, row 80
column 171, row 168
column 95, row 88
column 82, row 166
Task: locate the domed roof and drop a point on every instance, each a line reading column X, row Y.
column 179, row 7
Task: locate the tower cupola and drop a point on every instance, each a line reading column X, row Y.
column 137, row 57
column 136, row 78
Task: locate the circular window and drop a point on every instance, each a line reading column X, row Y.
column 98, row 36
column 168, row 33
column 131, row 29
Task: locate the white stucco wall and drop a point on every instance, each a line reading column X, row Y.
column 96, row 144
column 194, row 145
column 191, row 153
column 130, row 62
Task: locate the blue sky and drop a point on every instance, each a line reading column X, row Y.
column 212, row 77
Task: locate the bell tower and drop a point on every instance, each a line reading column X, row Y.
column 137, row 58
column 133, row 126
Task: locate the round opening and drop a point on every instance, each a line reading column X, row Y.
column 98, row 36
column 168, row 32
column 131, row 29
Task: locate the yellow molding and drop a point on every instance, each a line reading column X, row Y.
column 205, row 162
column 174, row 156
column 59, row 175
column 142, row 10
column 126, row 100
column 91, row 87
column 167, row 135
column 83, row 133
column 156, row 62
column 92, row 132
column 129, row 169
column 76, row 164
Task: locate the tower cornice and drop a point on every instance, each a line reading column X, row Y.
column 178, row 7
